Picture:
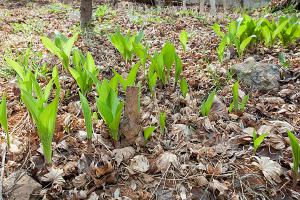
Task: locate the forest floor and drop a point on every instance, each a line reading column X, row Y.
column 196, row 158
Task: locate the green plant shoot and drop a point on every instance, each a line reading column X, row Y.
column 235, row 104
column 3, row 119
column 43, row 114
column 87, row 113
column 296, row 155
column 130, row 80
column 183, row 38
column 109, row 107
column 258, row 140
column 148, row 132
column 61, row 47
column 184, row 87
column 162, row 122
column 82, row 71
column 206, row 105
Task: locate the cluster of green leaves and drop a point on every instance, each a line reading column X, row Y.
column 236, row 105
column 43, row 113
column 128, row 44
column 61, row 47
column 161, row 66
column 130, row 80
column 296, row 154
column 207, row 104
column 82, row 71
column 257, row 140
column 109, row 106
column 245, row 31
column 3, row 119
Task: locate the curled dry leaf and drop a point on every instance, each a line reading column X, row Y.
column 165, row 160
column 271, row 169
column 54, row 176
column 103, row 169
column 123, row 154
column 140, row 163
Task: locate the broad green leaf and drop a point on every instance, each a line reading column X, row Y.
column 168, row 52
column 183, row 39
column 216, row 27
column 18, row 68
column 245, row 43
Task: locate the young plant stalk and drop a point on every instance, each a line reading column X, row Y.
column 162, row 122
column 235, row 105
column 206, row 105
column 258, row 140
column 87, row 113
column 296, row 156
column 3, row 119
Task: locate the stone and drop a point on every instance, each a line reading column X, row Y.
column 23, row 189
column 258, row 75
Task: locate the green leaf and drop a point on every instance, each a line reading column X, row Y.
column 148, row 132
column 206, row 105
column 183, row 39
column 245, row 43
column 18, row 68
column 69, row 44
column 3, row 119
column 168, row 52
column 296, row 153
column 51, row 47
column 216, row 27
column 184, row 87
column 178, row 67
column 221, row 48
column 162, row 122
column 258, row 140
column 87, row 113
column 235, row 93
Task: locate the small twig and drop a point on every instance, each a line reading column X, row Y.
column 151, row 197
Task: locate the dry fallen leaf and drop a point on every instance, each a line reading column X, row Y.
column 140, row 163
column 123, row 154
column 54, row 176
column 216, row 185
column 165, row 160
column 271, row 169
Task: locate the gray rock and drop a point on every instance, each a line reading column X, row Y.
column 21, row 189
column 262, row 76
